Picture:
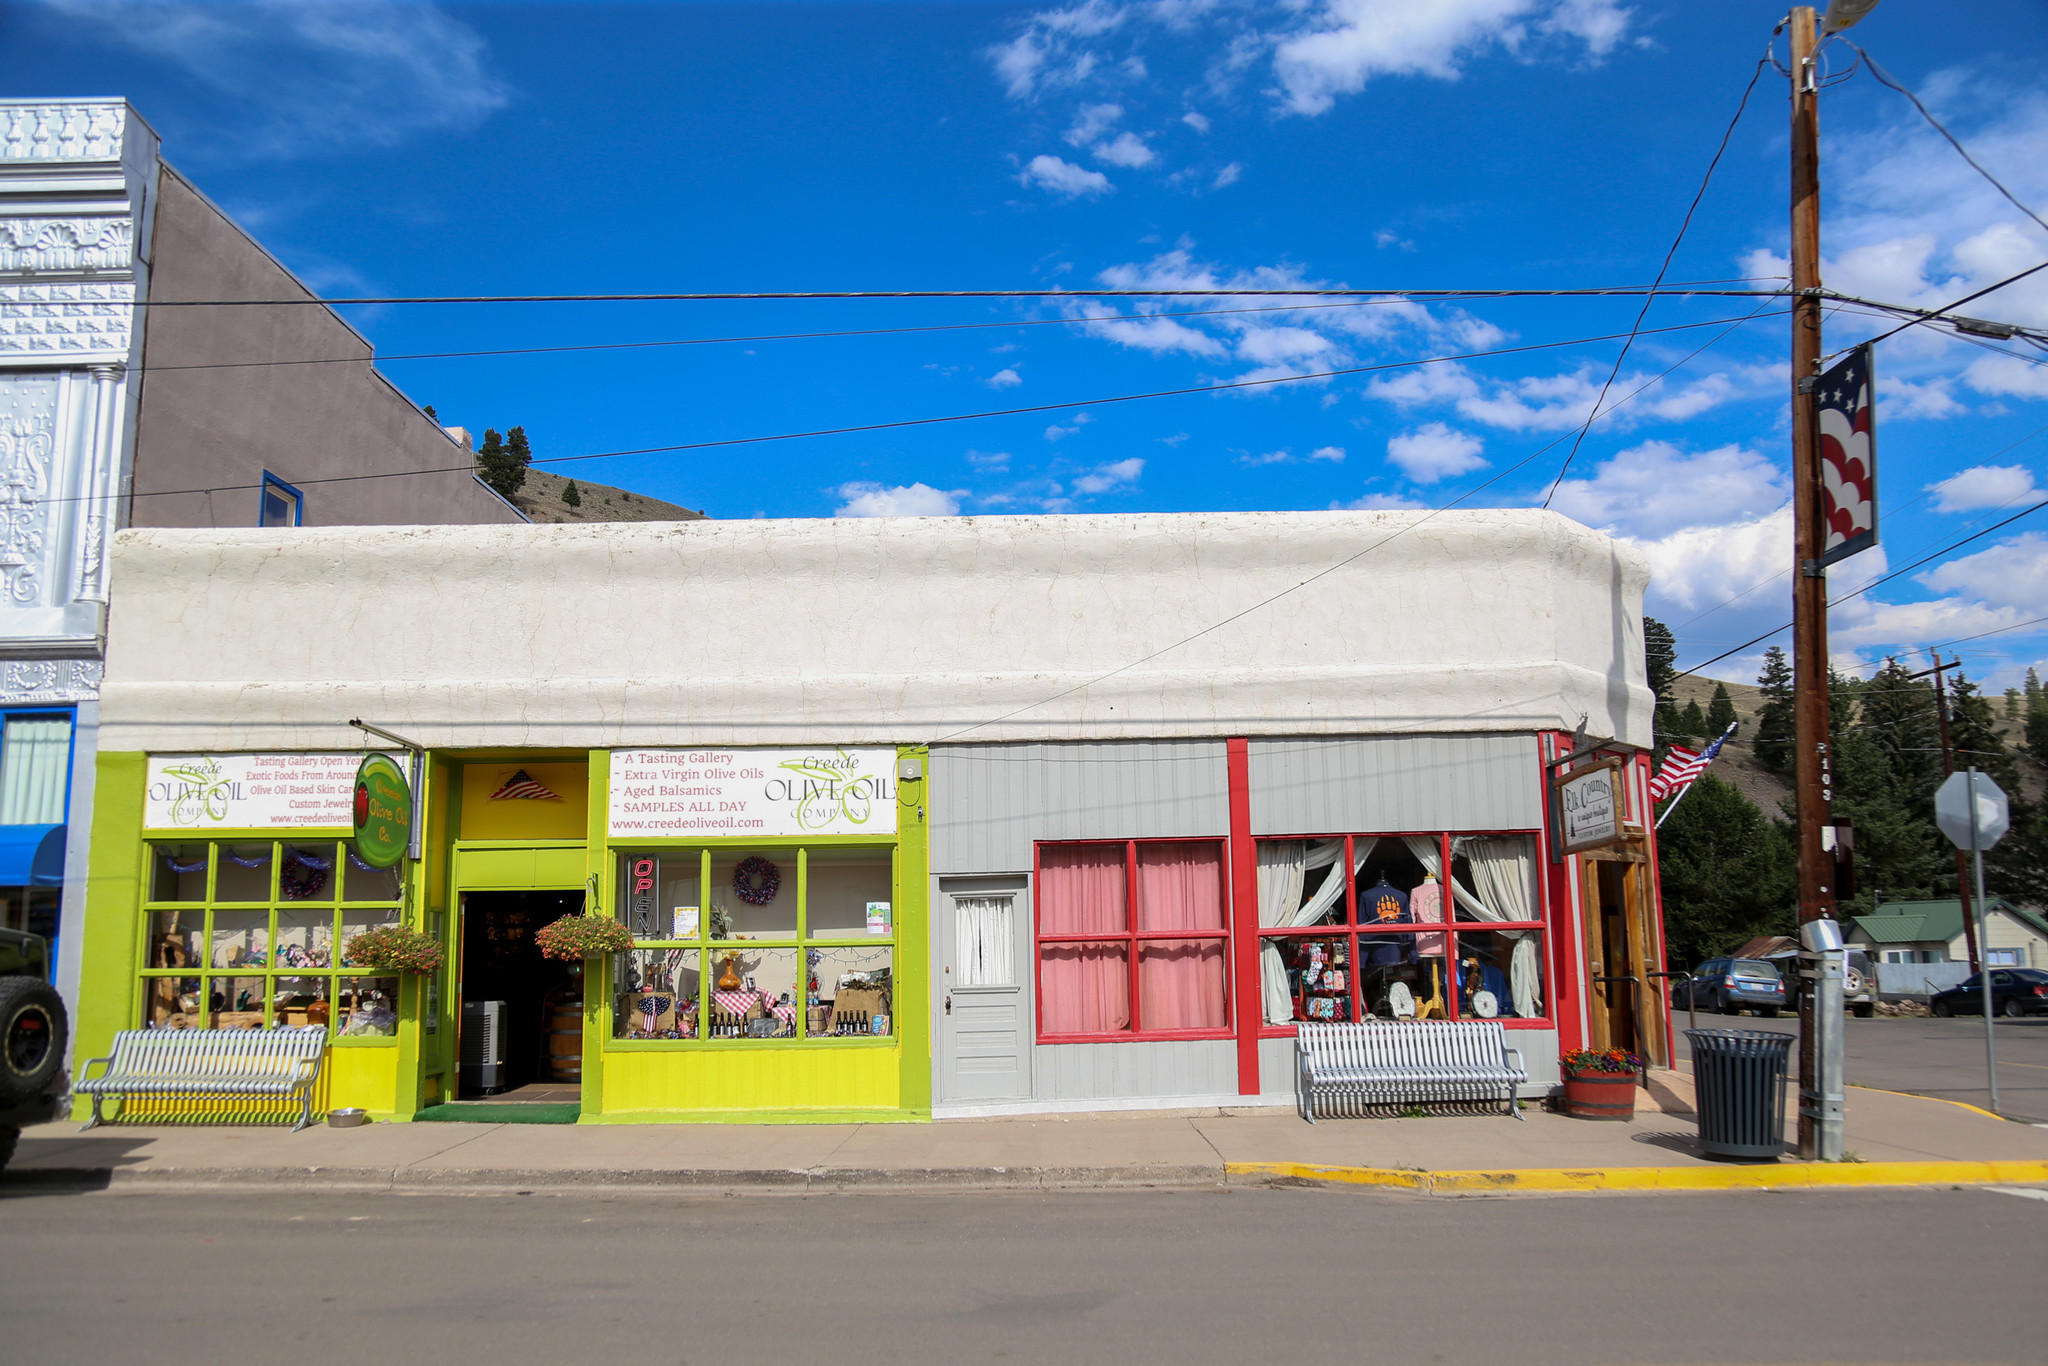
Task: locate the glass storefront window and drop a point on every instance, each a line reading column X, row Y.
column 767, row 943
column 1367, row 926
column 266, row 944
column 362, row 881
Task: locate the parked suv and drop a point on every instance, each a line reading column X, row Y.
column 1731, row 985
column 1859, row 983
column 33, row 1028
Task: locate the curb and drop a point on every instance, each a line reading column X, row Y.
column 1761, row 1176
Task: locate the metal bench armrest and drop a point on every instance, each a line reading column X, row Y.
column 86, row 1067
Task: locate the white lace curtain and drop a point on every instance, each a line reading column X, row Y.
column 982, row 928
column 1284, row 866
column 1505, row 871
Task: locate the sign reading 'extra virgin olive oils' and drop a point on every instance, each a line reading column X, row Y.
column 383, row 812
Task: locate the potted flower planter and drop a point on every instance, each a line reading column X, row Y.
column 1600, row 1085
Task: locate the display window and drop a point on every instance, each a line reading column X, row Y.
column 738, row 944
column 252, row 934
column 1353, row 927
column 1132, row 940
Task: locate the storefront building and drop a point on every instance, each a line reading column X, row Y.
column 896, row 823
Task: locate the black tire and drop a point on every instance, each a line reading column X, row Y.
column 1730, row 1008
column 33, row 1032
column 8, row 1134
column 1769, row 1012
column 1944, row 1011
column 1864, row 1009
column 2012, row 1009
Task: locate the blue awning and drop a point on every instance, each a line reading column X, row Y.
column 31, row 856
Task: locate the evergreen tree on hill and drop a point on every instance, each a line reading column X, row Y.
column 1720, row 712
column 571, row 495
column 1886, row 761
column 2036, row 717
column 1774, row 720
column 518, row 454
column 502, row 461
column 1728, row 873
column 1692, row 722
column 1660, row 665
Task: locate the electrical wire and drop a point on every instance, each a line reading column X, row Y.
column 1948, row 308
column 1651, row 297
column 728, row 442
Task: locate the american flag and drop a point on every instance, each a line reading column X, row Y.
column 520, row 788
column 1682, row 765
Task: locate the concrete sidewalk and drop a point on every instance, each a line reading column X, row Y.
column 1893, row 1140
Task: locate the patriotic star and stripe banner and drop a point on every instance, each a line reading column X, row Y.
column 1845, row 400
column 1680, row 768
column 520, row 788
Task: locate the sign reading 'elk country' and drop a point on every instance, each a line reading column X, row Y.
column 1589, row 805
column 250, row 791
column 767, row 792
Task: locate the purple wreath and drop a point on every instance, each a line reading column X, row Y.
column 747, row 890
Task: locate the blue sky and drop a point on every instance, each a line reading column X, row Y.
column 405, row 149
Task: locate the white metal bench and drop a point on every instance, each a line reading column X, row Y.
column 1385, row 1062
column 240, row 1063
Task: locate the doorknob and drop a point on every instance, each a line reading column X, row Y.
column 949, row 1003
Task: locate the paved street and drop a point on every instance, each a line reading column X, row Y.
column 1929, row 1057
column 1228, row 1276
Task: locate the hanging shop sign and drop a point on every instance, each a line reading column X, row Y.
column 753, row 792
column 1589, row 807
column 382, row 811
column 250, row 791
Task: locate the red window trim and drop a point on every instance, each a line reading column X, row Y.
column 1131, row 938
column 1448, row 925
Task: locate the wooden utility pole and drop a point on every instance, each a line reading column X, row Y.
column 1948, row 766
column 1812, row 768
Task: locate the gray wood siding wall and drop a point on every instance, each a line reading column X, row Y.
column 990, row 802
column 1137, row 1070
column 1409, row 782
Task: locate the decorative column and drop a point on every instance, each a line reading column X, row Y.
column 103, row 455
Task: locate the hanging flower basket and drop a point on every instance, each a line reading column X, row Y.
column 574, row 938
column 1600, row 1084
column 393, row 948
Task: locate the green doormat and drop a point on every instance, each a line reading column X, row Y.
column 479, row 1112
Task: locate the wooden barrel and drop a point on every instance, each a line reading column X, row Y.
column 565, row 1042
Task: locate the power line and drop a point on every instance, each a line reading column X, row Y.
column 1651, row 297
column 1951, row 307
column 2017, row 626
column 1224, row 387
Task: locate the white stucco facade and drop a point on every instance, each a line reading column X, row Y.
column 876, row 631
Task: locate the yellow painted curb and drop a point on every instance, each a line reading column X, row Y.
column 1939, row 1100
column 1762, row 1176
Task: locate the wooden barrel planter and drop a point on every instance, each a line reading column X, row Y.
column 565, row 1041
column 1600, row 1095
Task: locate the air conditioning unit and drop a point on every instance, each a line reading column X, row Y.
column 483, row 1047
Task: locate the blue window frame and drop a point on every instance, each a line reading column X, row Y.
column 283, row 505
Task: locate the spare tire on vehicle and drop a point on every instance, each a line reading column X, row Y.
column 33, row 1032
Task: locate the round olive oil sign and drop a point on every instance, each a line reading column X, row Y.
column 383, row 811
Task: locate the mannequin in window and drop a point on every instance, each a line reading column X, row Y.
column 1426, row 906
column 1384, row 904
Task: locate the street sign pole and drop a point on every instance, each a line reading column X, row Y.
column 1983, row 968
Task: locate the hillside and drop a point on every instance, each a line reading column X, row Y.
column 541, row 499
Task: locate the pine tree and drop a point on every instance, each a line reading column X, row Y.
column 519, row 453
column 1660, row 666
column 1720, row 712
column 1692, row 722
column 1886, row 763
column 571, row 496
column 1974, row 734
column 429, row 411
column 1774, row 721
column 1728, row 873
column 2036, row 717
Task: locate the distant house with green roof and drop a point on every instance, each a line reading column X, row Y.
column 1932, row 932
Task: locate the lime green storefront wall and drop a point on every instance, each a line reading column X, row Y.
column 770, row 1080
column 624, row 1081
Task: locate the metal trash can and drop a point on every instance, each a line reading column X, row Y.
column 1738, row 1078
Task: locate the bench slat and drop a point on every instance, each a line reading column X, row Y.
column 1371, row 1062
column 224, row 1062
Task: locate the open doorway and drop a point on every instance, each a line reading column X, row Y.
column 1625, row 1003
column 522, row 1014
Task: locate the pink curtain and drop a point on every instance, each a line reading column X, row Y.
column 1083, row 988
column 1181, row 981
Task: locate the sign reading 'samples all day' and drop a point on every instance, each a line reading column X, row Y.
column 250, row 791
column 773, row 792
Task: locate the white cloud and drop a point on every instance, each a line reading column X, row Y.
column 865, row 499
column 1435, row 452
column 2012, row 574
column 1902, row 398
column 1006, row 378
column 1128, row 149
column 1425, row 384
column 1347, row 43
column 1656, row 488
column 1984, row 486
column 1063, row 177
column 1105, row 478
column 1228, row 176
column 1266, row 458
column 1700, row 567
column 1052, row 49
column 1381, row 502
column 1175, row 440
column 1198, row 122
column 1333, row 454
column 1091, row 122
column 1058, row 433
column 2007, row 375
column 310, row 77
column 989, row 462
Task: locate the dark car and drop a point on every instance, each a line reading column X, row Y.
column 2014, row 992
column 32, row 1033
column 1731, row 986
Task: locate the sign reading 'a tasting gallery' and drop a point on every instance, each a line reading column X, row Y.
column 769, row 792
column 250, row 791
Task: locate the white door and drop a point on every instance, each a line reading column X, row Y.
column 983, row 1027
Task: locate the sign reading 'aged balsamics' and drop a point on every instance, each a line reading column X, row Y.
column 250, row 791
column 1590, row 802
column 769, row 792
